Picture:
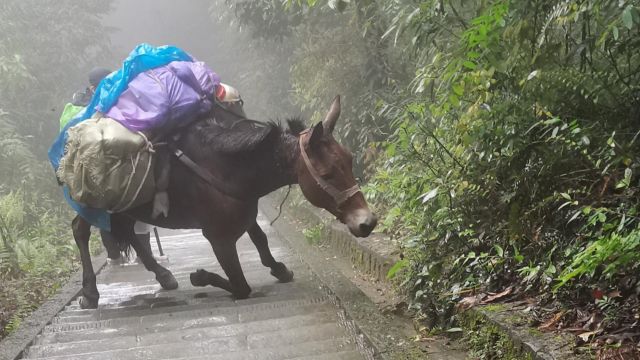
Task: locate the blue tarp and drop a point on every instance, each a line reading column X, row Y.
column 144, row 57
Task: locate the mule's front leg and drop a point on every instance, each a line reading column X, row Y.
column 278, row 269
column 164, row 277
column 81, row 233
column 225, row 250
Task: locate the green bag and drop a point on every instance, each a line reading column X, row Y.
column 106, row 166
column 70, row 111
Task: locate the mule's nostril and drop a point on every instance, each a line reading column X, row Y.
column 361, row 223
column 367, row 226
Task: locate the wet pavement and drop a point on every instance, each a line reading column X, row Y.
column 136, row 319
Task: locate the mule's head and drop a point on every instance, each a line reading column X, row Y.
column 326, row 178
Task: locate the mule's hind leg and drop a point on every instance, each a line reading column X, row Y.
column 259, row 239
column 123, row 228
column 81, row 233
column 227, row 255
column 164, row 277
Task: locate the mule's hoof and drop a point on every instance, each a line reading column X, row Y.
column 86, row 303
column 199, row 278
column 244, row 294
column 167, row 281
column 280, row 272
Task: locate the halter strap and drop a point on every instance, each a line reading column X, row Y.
column 340, row 197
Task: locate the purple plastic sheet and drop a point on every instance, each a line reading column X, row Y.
column 166, row 96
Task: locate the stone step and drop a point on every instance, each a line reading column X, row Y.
column 284, row 354
column 266, row 302
column 176, row 298
column 125, row 338
column 192, row 318
column 301, row 341
column 210, row 324
column 136, row 319
column 331, row 349
column 342, row 355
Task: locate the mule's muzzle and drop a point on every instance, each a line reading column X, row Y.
column 361, row 223
column 368, row 226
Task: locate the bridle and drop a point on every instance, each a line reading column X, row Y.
column 339, row 196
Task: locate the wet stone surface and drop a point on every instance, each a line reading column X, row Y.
column 136, row 319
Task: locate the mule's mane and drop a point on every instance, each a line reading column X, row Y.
column 243, row 135
column 296, row 125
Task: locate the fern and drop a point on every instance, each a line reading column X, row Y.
column 614, row 252
column 556, row 14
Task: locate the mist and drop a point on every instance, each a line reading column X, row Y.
column 205, row 30
column 496, row 140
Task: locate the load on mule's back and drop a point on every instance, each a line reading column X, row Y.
column 108, row 157
column 107, row 166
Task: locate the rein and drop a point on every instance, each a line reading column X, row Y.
column 340, row 197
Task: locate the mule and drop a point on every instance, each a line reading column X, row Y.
column 248, row 160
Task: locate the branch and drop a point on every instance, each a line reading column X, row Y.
column 458, row 17
column 615, row 67
column 431, row 134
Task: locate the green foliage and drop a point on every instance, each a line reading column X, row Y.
column 40, row 42
column 46, row 50
column 313, row 234
column 396, row 268
column 486, row 340
column 522, row 146
column 499, row 138
column 492, row 344
column 37, row 253
column 611, row 256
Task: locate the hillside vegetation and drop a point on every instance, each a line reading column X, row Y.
column 498, row 139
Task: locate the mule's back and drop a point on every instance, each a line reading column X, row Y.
column 235, row 137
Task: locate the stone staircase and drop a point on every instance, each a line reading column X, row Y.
column 136, row 319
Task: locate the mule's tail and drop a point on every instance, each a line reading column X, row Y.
column 115, row 245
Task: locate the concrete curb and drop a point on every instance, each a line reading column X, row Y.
column 13, row 345
column 507, row 321
column 374, row 255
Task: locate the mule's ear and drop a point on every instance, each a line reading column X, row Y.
column 317, row 132
column 332, row 116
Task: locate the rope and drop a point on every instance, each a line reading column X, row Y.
column 149, row 148
column 281, row 205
